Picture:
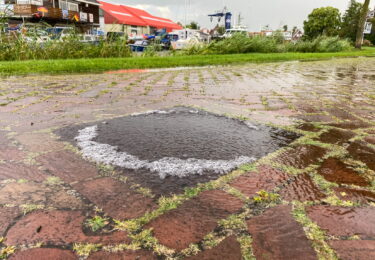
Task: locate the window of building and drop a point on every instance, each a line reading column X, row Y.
column 68, row 6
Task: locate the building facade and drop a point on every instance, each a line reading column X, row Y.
column 84, row 14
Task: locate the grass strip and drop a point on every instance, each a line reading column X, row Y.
column 8, row 68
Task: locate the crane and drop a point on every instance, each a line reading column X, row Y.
column 223, row 13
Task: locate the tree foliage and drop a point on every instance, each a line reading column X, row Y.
column 350, row 20
column 323, row 21
column 193, row 25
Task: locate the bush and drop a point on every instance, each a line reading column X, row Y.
column 242, row 44
column 236, row 44
column 17, row 48
column 321, row 44
column 333, row 44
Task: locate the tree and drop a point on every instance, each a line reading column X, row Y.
column 193, row 26
column 323, row 21
column 285, row 27
column 361, row 24
column 220, row 30
column 350, row 21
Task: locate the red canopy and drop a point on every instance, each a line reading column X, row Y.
column 117, row 14
column 121, row 14
column 154, row 21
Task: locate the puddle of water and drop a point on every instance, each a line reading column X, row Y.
column 175, row 147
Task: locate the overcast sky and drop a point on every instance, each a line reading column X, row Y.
column 255, row 13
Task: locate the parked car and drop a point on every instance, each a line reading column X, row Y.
column 139, row 46
column 60, row 33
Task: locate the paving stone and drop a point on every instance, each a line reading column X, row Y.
column 341, row 114
column 266, row 178
column 117, row 199
column 23, row 193
column 276, row 235
column 44, row 254
column 19, row 171
column 56, row 228
column 8, row 215
column 39, row 142
column 370, row 139
column 11, row 153
column 354, row 249
column 336, row 136
column 341, row 221
column 334, row 170
column 301, row 156
column 316, row 118
column 229, row 249
column 355, row 195
column 190, row 222
column 68, row 166
column 3, row 138
column 62, row 200
column 360, row 151
column 352, row 125
column 302, row 189
column 126, row 255
column 308, row 127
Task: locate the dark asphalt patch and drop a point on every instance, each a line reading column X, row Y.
column 193, row 144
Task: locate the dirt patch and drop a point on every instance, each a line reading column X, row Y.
column 194, row 219
column 340, row 221
column 334, row 170
column 276, row 235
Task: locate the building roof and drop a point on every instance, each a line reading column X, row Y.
column 117, row 14
column 134, row 16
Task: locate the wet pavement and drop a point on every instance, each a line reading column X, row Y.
column 86, row 172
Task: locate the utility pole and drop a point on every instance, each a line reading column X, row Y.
column 361, row 24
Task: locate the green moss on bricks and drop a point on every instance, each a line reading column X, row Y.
column 5, row 252
column 233, row 222
column 313, row 232
column 192, row 250
column 246, row 242
column 85, row 250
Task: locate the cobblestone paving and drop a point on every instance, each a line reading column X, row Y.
column 314, row 199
